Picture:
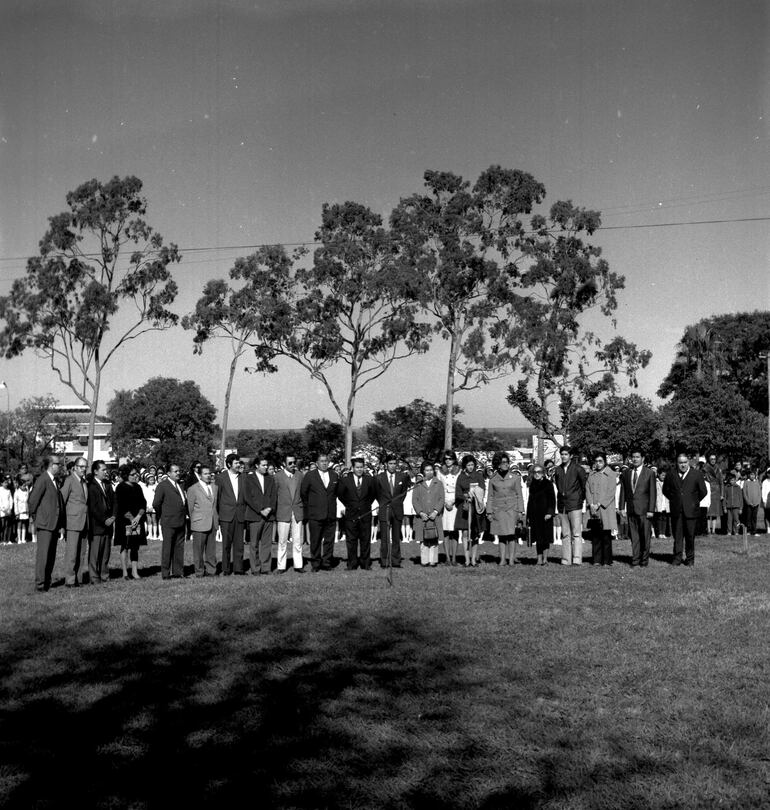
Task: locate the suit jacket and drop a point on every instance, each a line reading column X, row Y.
column 256, row 499
column 229, row 507
column 202, row 508
column 101, row 505
column 74, row 493
column 170, row 506
column 319, row 502
column 46, row 506
column 684, row 496
column 570, row 487
column 393, row 499
column 641, row 500
column 357, row 504
column 289, row 497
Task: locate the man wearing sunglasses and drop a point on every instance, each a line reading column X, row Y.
column 74, row 493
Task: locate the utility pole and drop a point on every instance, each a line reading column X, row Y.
column 766, row 356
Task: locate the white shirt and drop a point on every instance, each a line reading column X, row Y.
column 324, row 477
column 234, row 482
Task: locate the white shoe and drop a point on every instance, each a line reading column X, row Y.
column 557, row 542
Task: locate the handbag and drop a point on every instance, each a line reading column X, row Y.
column 429, row 530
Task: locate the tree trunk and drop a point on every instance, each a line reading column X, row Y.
column 347, row 425
column 226, row 409
column 450, row 391
column 92, row 416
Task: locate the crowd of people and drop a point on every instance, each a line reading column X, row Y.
column 455, row 504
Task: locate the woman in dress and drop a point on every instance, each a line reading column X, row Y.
column 541, row 506
column 449, row 480
column 469, row 502
column 428, row 500
column 505, row 507
column 130, row 507
column 407, row 526
column 600, row 498
column 714, row 476
column 149, row 488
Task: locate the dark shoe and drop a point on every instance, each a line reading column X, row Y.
column 126, row 576
column 299, row 570
column 239, row 573
column 255, row 573
column 314, row 570
column 279, row 571
column 689, row 563
column 226, row 573
column 396, row 565
column 366, row 567
column 164, row 576
column 676, row 561
column 644, row 565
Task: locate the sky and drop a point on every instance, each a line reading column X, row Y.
column 243, row 118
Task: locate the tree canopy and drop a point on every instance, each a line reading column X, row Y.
column 65, row 306
column 617, row 424
column 353, row 306
column 163, row 421
column 459, row 243
column 236, row 312
column 706, row 416
column 560, row 363
column 725, row 348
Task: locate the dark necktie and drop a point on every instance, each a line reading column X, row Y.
column 634, row 479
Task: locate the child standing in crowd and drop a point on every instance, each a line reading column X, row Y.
column 733, row 503
column 21, row 509
column 752, row 497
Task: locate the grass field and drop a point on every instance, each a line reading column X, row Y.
column 521, row 687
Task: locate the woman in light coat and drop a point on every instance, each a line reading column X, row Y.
column 600, row 497
column 428, row 501
column 505, row 507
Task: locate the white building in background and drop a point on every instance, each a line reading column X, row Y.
column 76, row 446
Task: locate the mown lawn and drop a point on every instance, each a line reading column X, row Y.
column 489, row 688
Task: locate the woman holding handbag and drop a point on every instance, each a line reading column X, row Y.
column 130, row 507
column 428, row 502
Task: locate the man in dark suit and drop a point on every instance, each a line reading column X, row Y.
column 170, row 504
column 685, row 489
column 46, row 510
column 289, row 514
column 356, row 492
column 390, row 488
column 232, row 514
column 319, row 500
column 74, row 493
column 261, row 499
column 638, row 492
column 101, row 519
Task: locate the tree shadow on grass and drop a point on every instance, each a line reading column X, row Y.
column 280, row 708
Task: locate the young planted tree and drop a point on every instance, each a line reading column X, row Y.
column 355, row 306
column 100, row 280
column 461, row 243
column 562, row 365
column 235, row 313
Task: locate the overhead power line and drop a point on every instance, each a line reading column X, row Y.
column 223, row 248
